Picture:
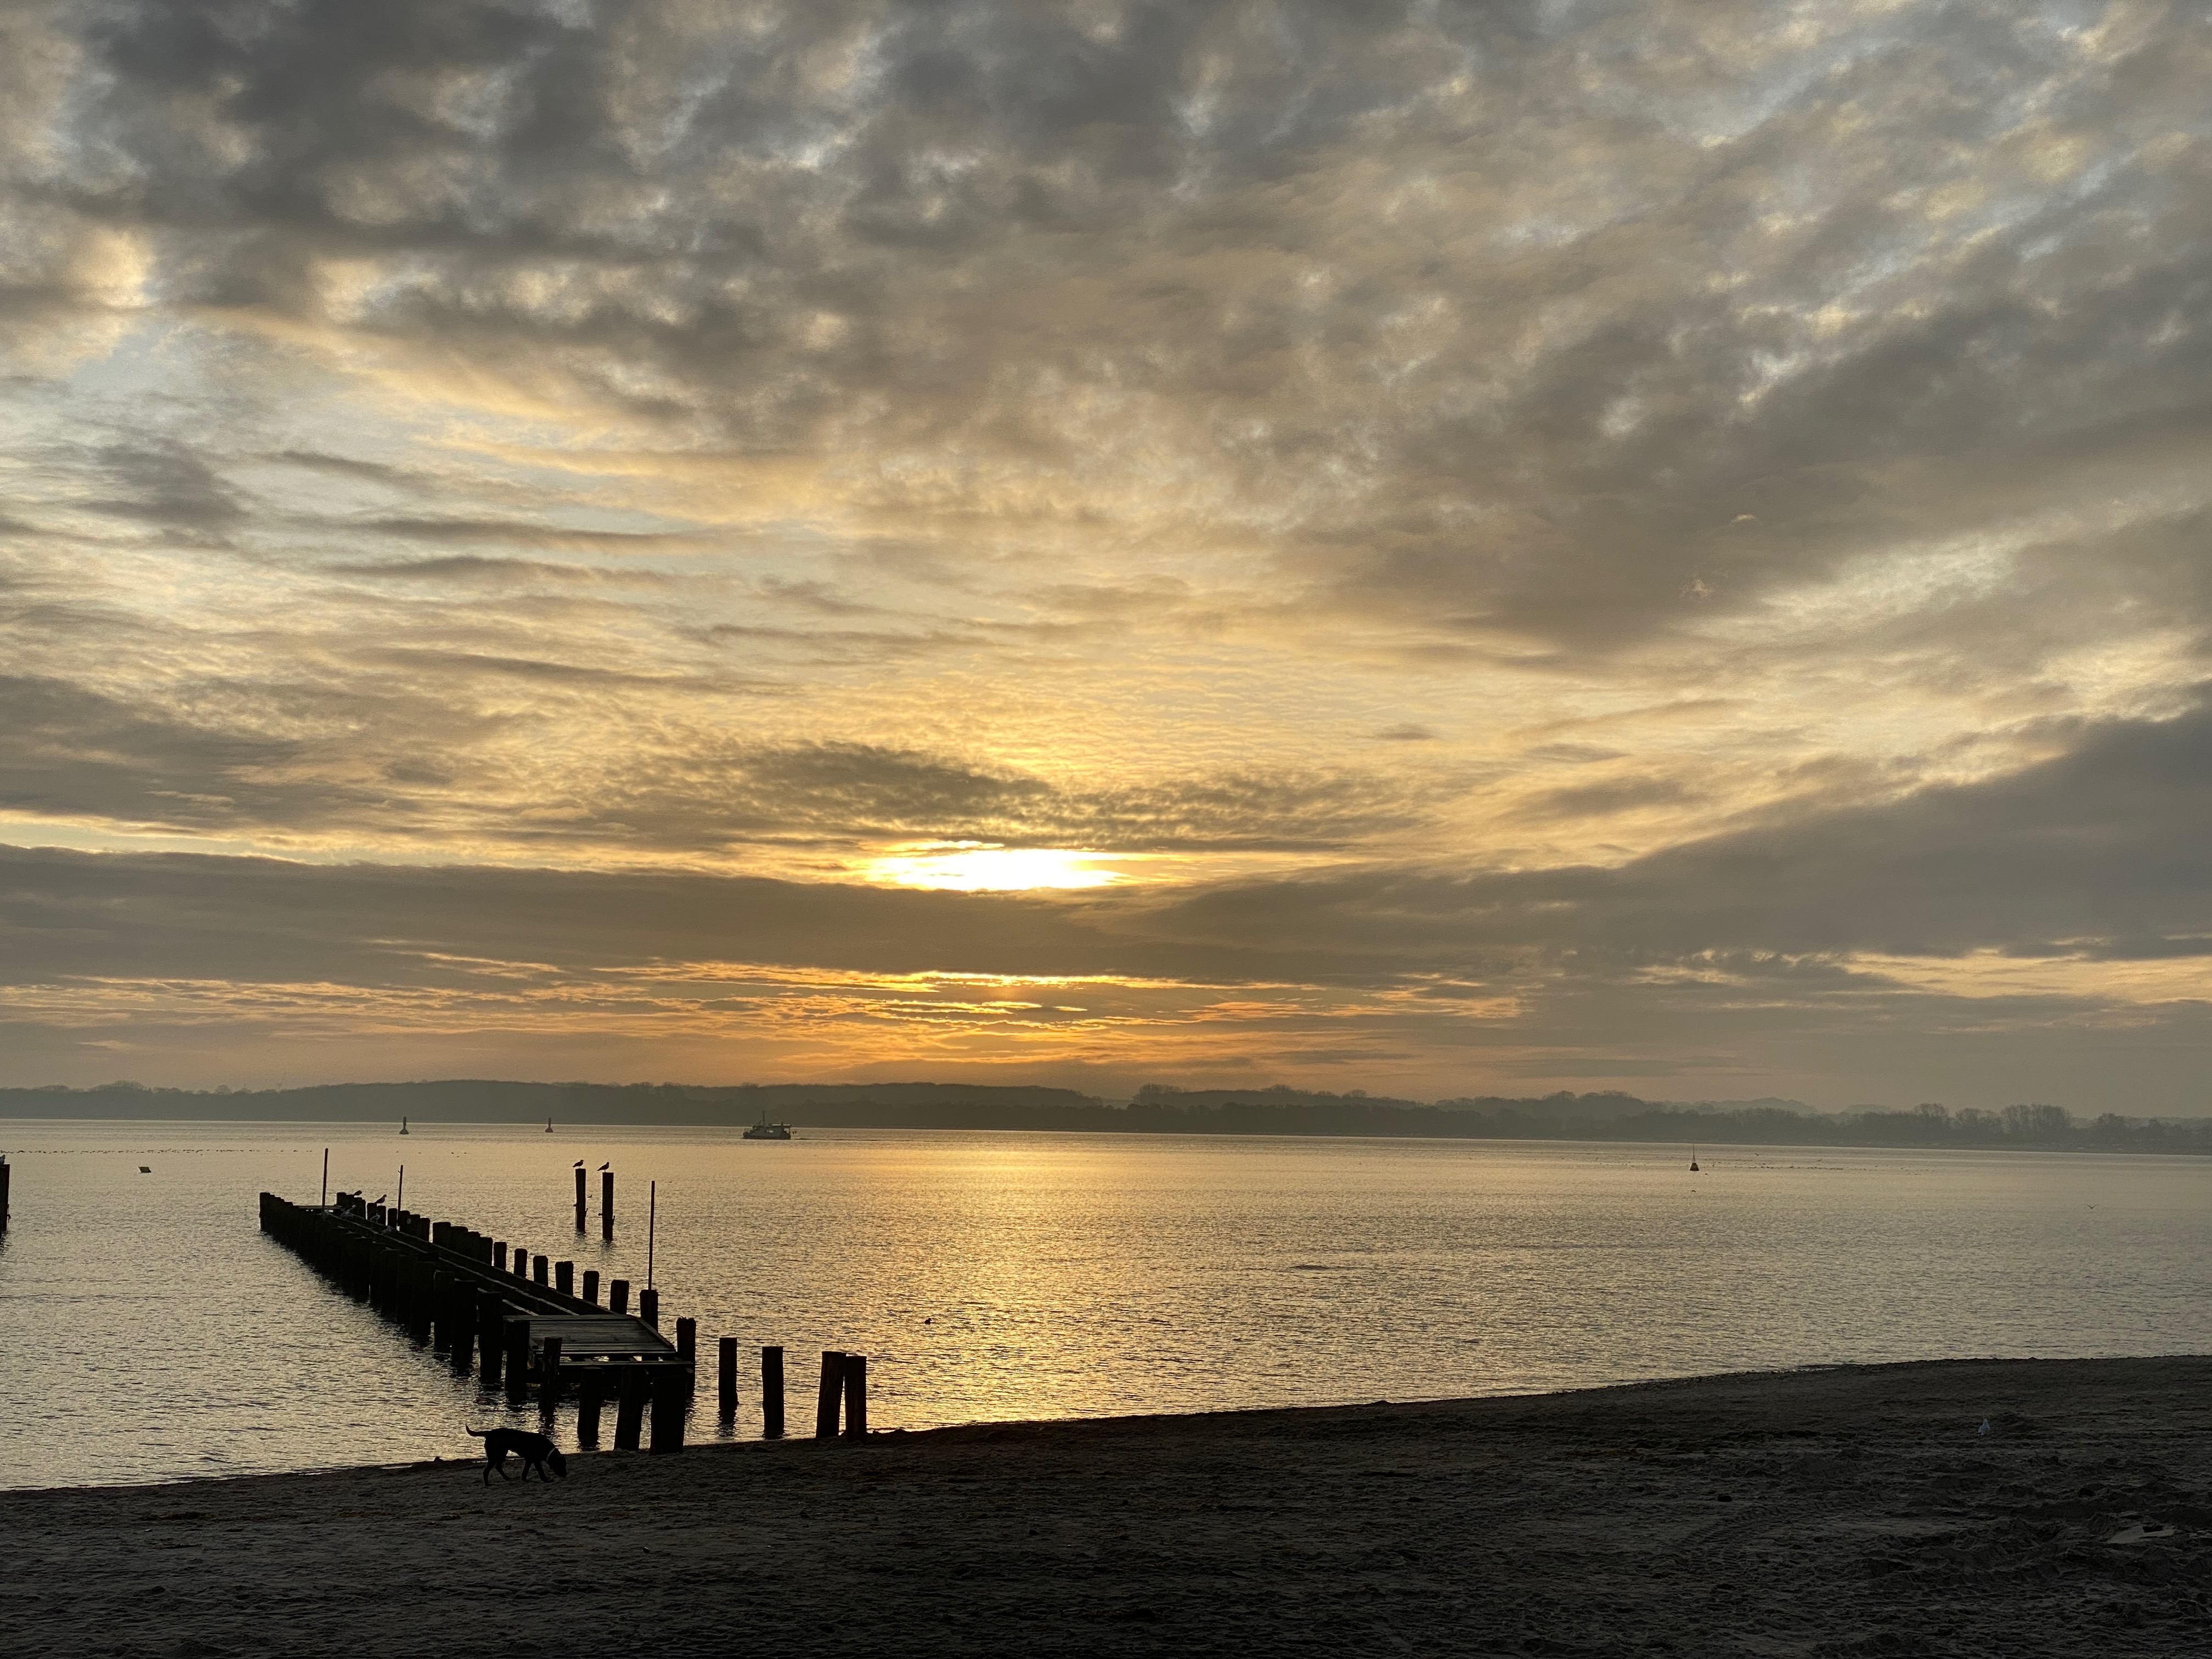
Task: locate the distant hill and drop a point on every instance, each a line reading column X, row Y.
column 477, row 1101
column 1156, row 1109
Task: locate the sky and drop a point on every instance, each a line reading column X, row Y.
column 1441, row 548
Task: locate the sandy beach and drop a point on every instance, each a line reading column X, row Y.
column 1858, row 1510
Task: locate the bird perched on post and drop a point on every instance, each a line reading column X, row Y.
column 580, row 1163
column 609, row 1164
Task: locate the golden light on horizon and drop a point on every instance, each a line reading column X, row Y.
column 970, row 866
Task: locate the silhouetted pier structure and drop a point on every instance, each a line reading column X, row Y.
column 514, row 1315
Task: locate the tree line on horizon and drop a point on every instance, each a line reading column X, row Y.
column 1157, row 1108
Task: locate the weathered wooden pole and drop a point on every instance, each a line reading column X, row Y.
column 667, row 1410
column 518, row 1357
column 856, row 1397
column 491, row 1335
column 607, row 1205
column 725, row 1392
column 564, row 1278
column 580, row 1198
column 441, row 1303
column 772, row 1394
column 588, row 1395
column 592, row 1284
column 630, row 1408
column 548, row 1373
column 499, row 1256
column 826, row 1397
column 618, row 1297
column 648, row 1306
column 687, row 1340
column 540, row 1268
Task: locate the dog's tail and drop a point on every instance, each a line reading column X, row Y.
column 480, row 1433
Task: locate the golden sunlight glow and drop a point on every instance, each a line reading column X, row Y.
column 975, row 866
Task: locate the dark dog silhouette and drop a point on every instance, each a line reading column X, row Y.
column 535, row 1450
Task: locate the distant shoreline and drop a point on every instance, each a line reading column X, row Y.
column 1948, row 1506
column 2196, row 1147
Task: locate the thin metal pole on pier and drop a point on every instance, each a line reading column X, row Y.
column 402, row 1202
column 326, row 1177
column 3, row 1192
column 652, row 1217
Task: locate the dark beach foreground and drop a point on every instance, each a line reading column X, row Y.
column 1858, row 1510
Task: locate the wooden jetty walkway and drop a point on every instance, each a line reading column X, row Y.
column 522, row 1320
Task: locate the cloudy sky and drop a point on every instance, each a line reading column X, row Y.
column 1439, row 548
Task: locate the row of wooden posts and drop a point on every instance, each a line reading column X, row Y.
column 478, row 1309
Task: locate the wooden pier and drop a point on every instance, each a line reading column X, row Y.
column 518, row 1323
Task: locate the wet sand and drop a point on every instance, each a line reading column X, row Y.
column 1848, row 1512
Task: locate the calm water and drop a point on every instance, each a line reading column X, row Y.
column 148, row 1330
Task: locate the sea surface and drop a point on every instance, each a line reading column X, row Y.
column 149, row 1332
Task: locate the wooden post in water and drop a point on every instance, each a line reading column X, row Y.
column 491, row 1335
column 580, row 1198
column 564, row 1278
column 667, row 1410
column 856, row 1397
column 772, row 1394
column 827, row 1397
column 538, row 1265
column 4, row 1195
column 607, row 1205
column 618, row 1297
column 592, row 1285
column 726, row 1393
column 441, row 1310
column 630, row 1408
column 588, row 1396
column 518, row 1358
column 687, row 1341
column 648, row 1306
column 499, row 1256
column 549, row 1374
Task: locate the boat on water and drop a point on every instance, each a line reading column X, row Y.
column 765, row 1130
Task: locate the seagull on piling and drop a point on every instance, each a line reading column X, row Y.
column 580, row 1163
column 609, row 1164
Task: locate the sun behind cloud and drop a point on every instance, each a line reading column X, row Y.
column 972, row 867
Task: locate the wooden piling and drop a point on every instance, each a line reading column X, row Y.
column 772, row 1394
column 548, row 1373
column 538, row 1265
column 726, row 1393
column 518, row 1358
column 668, row 1409
column 648, row 1306
column 580, row 1198
column 564, row 1278
column 829, row 1395
column 607, row 1205
column 499, row 1254
column 3, row 1197
column 592, row 1285
column 588, row 1396
column 630, row 1408
column 687, row 1339
column 491, row 1335
column 856, row 1397
column 441, row 1304
column 618, row 1297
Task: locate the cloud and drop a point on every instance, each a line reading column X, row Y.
column 1774, row 457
